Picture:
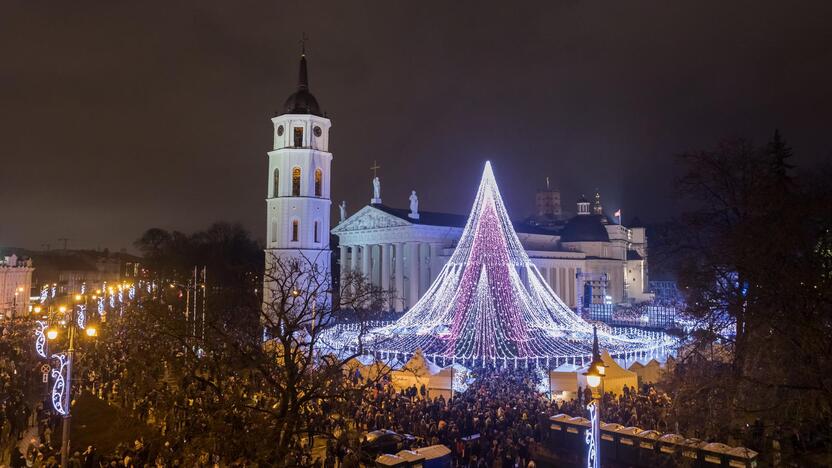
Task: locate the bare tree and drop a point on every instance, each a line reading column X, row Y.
column 301, row 369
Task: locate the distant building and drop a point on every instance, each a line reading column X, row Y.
column 15, row 286
column 66, row 271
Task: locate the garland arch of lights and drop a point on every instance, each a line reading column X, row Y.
column 490, row 306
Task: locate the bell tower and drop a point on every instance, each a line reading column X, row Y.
column 298, row 197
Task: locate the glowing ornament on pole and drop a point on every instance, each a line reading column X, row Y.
column 82, row 316
column 592, row 437
column 59, row 388
column 40, row 338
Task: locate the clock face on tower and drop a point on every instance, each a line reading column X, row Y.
column 317, row 131
column 280, row 130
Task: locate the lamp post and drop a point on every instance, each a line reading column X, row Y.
column 295, row 294
column 63, row 401
column 594, row 378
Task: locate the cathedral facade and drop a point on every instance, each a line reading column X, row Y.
column 585, row 259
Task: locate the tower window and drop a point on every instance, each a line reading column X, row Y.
column 276, row 182
column 295, row 228
column 298, row 137
column 318, row 182
column 317, row 237
column 274, row 231
column 295, row 181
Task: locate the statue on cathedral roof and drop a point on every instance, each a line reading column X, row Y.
column 414, row 206
column 376, row 191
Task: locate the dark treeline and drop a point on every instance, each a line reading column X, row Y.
column 231, row 256
column 233, row 264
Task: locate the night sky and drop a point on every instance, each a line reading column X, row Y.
column 119, row 116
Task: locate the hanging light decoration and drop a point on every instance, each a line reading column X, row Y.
column 491, row 306
column 59, row 387
column 40, row 338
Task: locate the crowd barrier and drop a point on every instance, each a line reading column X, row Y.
column 639, row 448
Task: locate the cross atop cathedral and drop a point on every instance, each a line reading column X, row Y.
column 303, row 39
column 375, row 167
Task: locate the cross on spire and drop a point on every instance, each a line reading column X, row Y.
column 303, row 39
column 375, row 167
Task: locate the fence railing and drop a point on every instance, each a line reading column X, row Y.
column 649, row 316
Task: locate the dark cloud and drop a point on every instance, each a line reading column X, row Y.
column 118, row 116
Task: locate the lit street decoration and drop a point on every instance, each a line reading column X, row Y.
column 82, row 316
column 593, row 437
column 40, row 338
column 491, row 306
column 462, row 378
column 59, row 387
column 44, row 294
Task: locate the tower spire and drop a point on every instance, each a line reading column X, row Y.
column 303, row 77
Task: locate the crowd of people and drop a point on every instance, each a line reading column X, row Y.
column 499, row 420
column 643, row 407
column 501, row 410
column 30, row 429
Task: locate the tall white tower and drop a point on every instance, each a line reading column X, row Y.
column 298, row 199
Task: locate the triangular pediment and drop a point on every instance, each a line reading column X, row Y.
column 369, row 218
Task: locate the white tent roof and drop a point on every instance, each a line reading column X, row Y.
column 419, row 363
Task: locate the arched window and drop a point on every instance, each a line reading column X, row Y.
column 319, row 176
column 274, row 231
column 276, row 182
column 295, row 181
column 295, row 228
column 298, row 137
column 317, row 237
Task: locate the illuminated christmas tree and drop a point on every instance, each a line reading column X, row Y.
column 491, row 306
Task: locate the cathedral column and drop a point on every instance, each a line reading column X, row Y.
column 399, row 253
column 384, row 271
column 424, row 268
column 365, row 262
column 413, row 259
column 375, row 265
column 343, row 249
column 353, row 258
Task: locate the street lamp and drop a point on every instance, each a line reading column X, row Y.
column 594, row 378
column 62, row 392
column 295, row 294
